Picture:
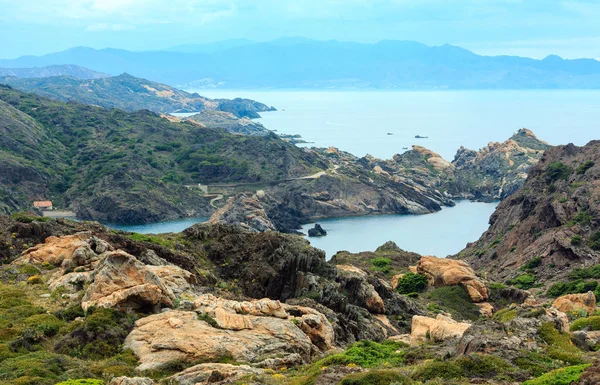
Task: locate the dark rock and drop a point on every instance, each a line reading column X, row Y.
column 317, row 231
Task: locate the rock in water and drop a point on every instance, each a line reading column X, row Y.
column 317, row 231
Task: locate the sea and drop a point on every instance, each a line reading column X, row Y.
column 384, row 123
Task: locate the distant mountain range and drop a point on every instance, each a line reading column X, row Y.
column 129, row 93
column 303, row 63
column 53, row 70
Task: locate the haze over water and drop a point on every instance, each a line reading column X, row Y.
column 359, row 121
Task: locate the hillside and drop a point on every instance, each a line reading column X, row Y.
column 127, row 167
column 131, row 94
column 548, row 232
column 304, row 63
column 53, row 70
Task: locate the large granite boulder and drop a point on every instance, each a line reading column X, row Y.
column 575, row 302
column 450, row 272
column 437, row 329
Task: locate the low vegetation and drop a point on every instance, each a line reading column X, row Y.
column 563, row 376
column 412, row 283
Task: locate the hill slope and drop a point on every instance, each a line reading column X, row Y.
column 294, row 63
column 131, row 94
column 550, row 226
column 126, row 167
column 53, row 70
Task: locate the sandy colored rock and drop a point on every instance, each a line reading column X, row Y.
column 68, row 251
column 576, row 302
column 404, row 338
column 450, row 272
column 175, row 278
column 486, row 309
column 156, row 342
column 440, row 328
column 121, row 281
column 214, row 374
column 72, row 282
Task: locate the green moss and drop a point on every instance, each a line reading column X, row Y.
column 576, row 240
column 411, row 283
column 590, row 323
column 377, row 377
column 447, row 370
column 46, row 324
column 584, row 167
column 594, row 241
column 484, row 366
column 456, row 301
column 563, row 376
column 560, row 346
column 24, row 217
column 505, row 315
column 557, row 171
column 85, row 381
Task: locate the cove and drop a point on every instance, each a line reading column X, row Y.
column 443, row 233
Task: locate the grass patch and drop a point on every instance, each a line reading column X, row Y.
column 560, row 346
column 563, row 376
column 376, row 377
column 456, row 301
column 523, row 281
column 505, row 315
column 590, row 323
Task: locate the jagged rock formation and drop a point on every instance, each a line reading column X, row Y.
column 550, row 225
column 317, row 231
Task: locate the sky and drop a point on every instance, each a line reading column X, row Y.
column 533, row 28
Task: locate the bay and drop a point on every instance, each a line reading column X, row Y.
column 442, row 233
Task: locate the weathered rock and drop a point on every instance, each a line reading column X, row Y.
column 335, row 374
column 438, row 329
column 131, row 381
column 72, row 282
column 213, row 374
column 486, row 309
column 66, row 252
column 362, row 289
column 576, row 302
column 121, row 281
column 395, row 279
column 317, row 231
column 450, row 272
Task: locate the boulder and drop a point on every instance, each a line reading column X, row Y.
column 591, row 376
column 131, row 381
column 121, row 281
column 317, row 231
column 184, row 335
column 214, row 374
column 436, row 329
column 355, row 280
column 572, row 303
column 450, row 272
column 486, row 309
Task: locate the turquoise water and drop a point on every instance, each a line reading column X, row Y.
column 443, row 233
column 159, row 227
column 359, row 121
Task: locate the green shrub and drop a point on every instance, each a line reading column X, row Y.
column 576, row 240
column 99, row 336
column 46, row 324
column 39, row 368
column 456, row 301
column 381, row 264
column 523, row 281
column 563, row 376
column 556, row 171
column 594, row 242
column 208, row 319
column 535, row 363
column 447, row 370
column 584, row 167
column 25, row 217
column 85, row 381
column 486, row 366
column 590, row 323
column 582, row 217
column 533, row 263
column 573, row 287
column 376, row 377
column 586, row 272
column 412, row 283
column 560, row 346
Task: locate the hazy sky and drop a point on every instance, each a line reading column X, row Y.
column 534, row 28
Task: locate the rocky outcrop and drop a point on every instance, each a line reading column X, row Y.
column 214, row 374
column 317, row 231
column 549, row 225
column 245, row 210
column 573, row 303
column 229, row 122
column 189, row 336
column 449, row 272
column 436, row 329
column 356, row 280
column 591, row 376
column 131, row 381
column 121, row 281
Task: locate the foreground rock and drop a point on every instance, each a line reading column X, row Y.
column 436, row 329
column 264, row 340
column 214, row 374
column 573, row 303
column 449, row 272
